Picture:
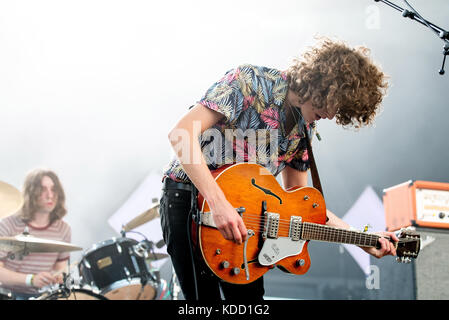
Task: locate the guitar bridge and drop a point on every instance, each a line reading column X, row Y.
column 271, row 225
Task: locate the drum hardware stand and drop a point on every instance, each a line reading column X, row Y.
column 20, row 252
column 143, row 249
column 143, row 282
column 176, row 289
column 414, row 15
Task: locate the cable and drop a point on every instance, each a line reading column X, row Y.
column 193, row 207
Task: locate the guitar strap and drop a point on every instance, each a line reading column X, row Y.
column 314, row 171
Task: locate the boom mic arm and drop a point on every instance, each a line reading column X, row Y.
column 415, row 16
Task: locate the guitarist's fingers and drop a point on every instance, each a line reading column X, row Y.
column 243, row 230
column 224, row 232
column 391, row 247
column 385, row 247
column 237, row 237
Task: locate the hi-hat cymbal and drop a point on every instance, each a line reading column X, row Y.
column 11, row 199
column 142, row 218
column 29, row 243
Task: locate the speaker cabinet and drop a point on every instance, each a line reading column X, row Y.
column 431, row 268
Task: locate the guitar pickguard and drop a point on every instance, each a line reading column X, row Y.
column 274, row 250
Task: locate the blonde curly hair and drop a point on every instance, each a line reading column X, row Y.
column 334, row 75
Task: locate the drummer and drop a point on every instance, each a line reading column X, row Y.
column 41, row 215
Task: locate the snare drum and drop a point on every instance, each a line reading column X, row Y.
column 117, row 269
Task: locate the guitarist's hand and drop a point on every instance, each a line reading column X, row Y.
column 229, row 222
column 387, row 247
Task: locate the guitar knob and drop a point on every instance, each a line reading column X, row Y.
column 300, row 262
column 225, row 264
column 235, row 271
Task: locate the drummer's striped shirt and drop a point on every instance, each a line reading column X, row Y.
column 33, row 262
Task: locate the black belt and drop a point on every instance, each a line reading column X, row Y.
column 169, row 184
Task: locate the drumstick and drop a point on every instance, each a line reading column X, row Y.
column 142, row 218
column 57, row 273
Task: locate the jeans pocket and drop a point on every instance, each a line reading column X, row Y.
column 174, row 211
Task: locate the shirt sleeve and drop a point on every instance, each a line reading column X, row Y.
column 227, row 95
column 301, row 160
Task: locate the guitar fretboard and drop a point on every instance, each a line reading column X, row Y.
column 313, row 231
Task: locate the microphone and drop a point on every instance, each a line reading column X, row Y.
column 445, row 53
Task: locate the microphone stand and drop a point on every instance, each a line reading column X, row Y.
column 414, row 15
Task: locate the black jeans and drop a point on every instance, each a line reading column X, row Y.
column 175, row 205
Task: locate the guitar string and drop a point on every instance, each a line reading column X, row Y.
column 331, row 234
column 286, row 225
column 363, row 239
column 315, row 230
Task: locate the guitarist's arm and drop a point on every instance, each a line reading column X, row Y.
column 295, row 178
column 184, row 139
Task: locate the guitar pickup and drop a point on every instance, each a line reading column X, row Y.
column 295, row 228
column 271, row 225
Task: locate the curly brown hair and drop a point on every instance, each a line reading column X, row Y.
column 334, row 75
column 32, row 189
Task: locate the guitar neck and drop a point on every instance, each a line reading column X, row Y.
column 313, row 231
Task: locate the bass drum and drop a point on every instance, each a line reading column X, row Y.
column 73, row 294
column 118, row 271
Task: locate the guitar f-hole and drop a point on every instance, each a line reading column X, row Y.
column 266, row 191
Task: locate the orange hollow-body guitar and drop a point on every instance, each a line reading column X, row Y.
column 280, row 224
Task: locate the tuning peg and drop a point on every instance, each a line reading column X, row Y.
column 403, row 260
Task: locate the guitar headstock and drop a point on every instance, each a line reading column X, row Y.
column 408, row 246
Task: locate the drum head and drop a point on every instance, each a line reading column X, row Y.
column 130, row 290
column 76, row 294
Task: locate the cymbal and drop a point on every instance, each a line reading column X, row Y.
column 157, row 256
column 142, row 218
column 29, row 243
column 11, row 199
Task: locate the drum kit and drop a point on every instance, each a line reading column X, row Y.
column 115, row 269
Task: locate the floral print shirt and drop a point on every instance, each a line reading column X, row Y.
column 251, row 98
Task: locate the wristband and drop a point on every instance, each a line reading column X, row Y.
column 29, row 280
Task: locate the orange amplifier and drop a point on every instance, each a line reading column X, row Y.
column 417, row 203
